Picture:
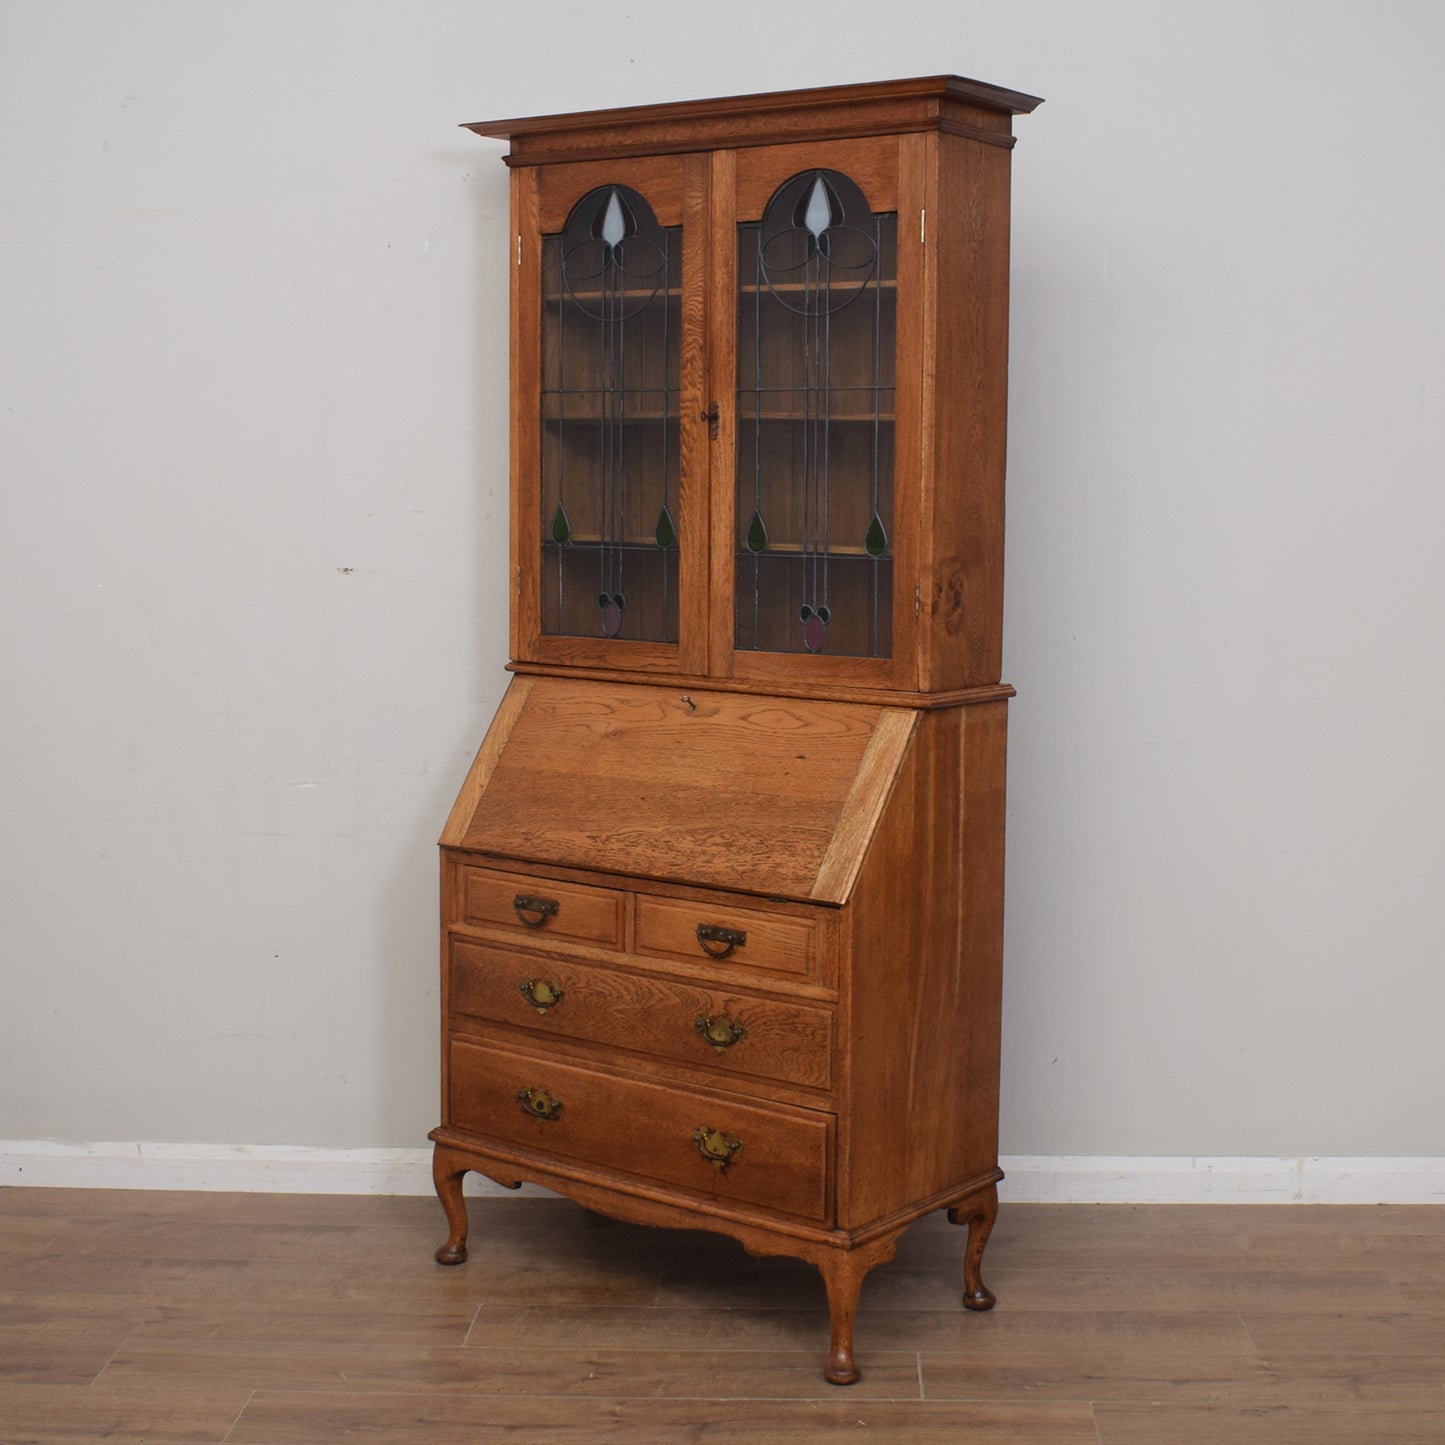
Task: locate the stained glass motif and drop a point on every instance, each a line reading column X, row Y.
column 611, row 315
column 815, row 628
column 611, row 610
column 816, row 338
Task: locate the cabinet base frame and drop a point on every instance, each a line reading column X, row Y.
column 843, row 1257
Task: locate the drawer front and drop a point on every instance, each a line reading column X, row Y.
column 649, row 1131
column 540, row 907
column 726, row 1032
column 680, row 929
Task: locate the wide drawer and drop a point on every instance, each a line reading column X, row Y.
column 775, row 1158
column 713, row 1028
column 539, row 907
column 690, row 931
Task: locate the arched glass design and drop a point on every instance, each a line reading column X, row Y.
column 610, row 391
column 817, row 287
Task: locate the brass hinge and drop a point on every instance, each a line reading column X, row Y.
column 917, row 598
column 519, row 248
column 519, row 581
column 922, row 228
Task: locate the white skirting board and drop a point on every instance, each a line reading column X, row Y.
column 1031, row 1178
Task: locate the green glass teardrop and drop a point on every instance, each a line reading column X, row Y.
column 875, row 544
column 666, row 533
column 757, row 538
column 561, row 527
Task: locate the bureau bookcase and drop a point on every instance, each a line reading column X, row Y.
column 722, row 894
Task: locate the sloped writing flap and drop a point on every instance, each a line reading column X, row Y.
column 768, row 795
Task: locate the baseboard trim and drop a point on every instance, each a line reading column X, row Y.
column 243, row 1168
column 1031, row 1178
column 1098, row 1179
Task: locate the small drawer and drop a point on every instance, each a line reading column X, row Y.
column 727, row 1150
column 539, row 907
column 719, row 1030
column 677, row 928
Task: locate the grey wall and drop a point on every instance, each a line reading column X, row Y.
column 253, row 449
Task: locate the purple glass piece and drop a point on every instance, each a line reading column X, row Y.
column 611, row 618
column 815, row 633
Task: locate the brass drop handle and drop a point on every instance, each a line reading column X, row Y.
column 721, row 1033
column 540, row 994
column 715, row 1146
column 718, row 942
column 544, row 908
column 540, row 1105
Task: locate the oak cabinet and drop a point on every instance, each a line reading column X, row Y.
column 722, row 892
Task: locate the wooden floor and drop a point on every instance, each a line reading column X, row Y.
column 283, row 1318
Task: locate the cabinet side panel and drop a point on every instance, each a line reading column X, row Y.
column 925, row 983
column 964, row 612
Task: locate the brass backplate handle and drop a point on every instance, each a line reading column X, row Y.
column 525, row 907
column 715, row 1146
column 721, row 1033
column 539, row 1104
column 718, row 942
column 541, row 994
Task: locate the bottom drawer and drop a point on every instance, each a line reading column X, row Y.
column 723, row 1148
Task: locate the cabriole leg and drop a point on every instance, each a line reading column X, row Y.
column 843, row 1273
column 978, row 1214
column 447, row 1170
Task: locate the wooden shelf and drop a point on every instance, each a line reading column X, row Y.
column 792, row 288
column 885, row 417
column 796, row 549
column 668, row 293
column 630, row 415
column 591, row 543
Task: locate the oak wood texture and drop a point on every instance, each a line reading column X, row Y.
column 935, row 152
column 789, row 687
column 677, row 187
column 910, row 1124
column 616, row 1007
column 780, row 943
column 722, row 926
column 743, row 186
column 491, row 899
column 730, row 790
column 646, row 1130
column 136, row 1316
column 965, row 107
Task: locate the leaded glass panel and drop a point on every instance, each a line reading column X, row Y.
column 610, row 389
column 817, row 287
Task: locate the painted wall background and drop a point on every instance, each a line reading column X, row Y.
column 253, row 545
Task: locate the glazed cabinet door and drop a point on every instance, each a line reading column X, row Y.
column 610, row 443
column 816, row 351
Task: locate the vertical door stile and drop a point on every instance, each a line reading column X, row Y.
column 722, row 391
column 698, row 462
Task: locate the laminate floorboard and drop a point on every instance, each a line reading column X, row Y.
column 229, row 1319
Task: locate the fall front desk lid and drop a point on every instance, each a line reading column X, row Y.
column 767, row 795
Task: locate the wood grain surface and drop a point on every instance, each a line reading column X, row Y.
column 714, row 789
column 176, row 1317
